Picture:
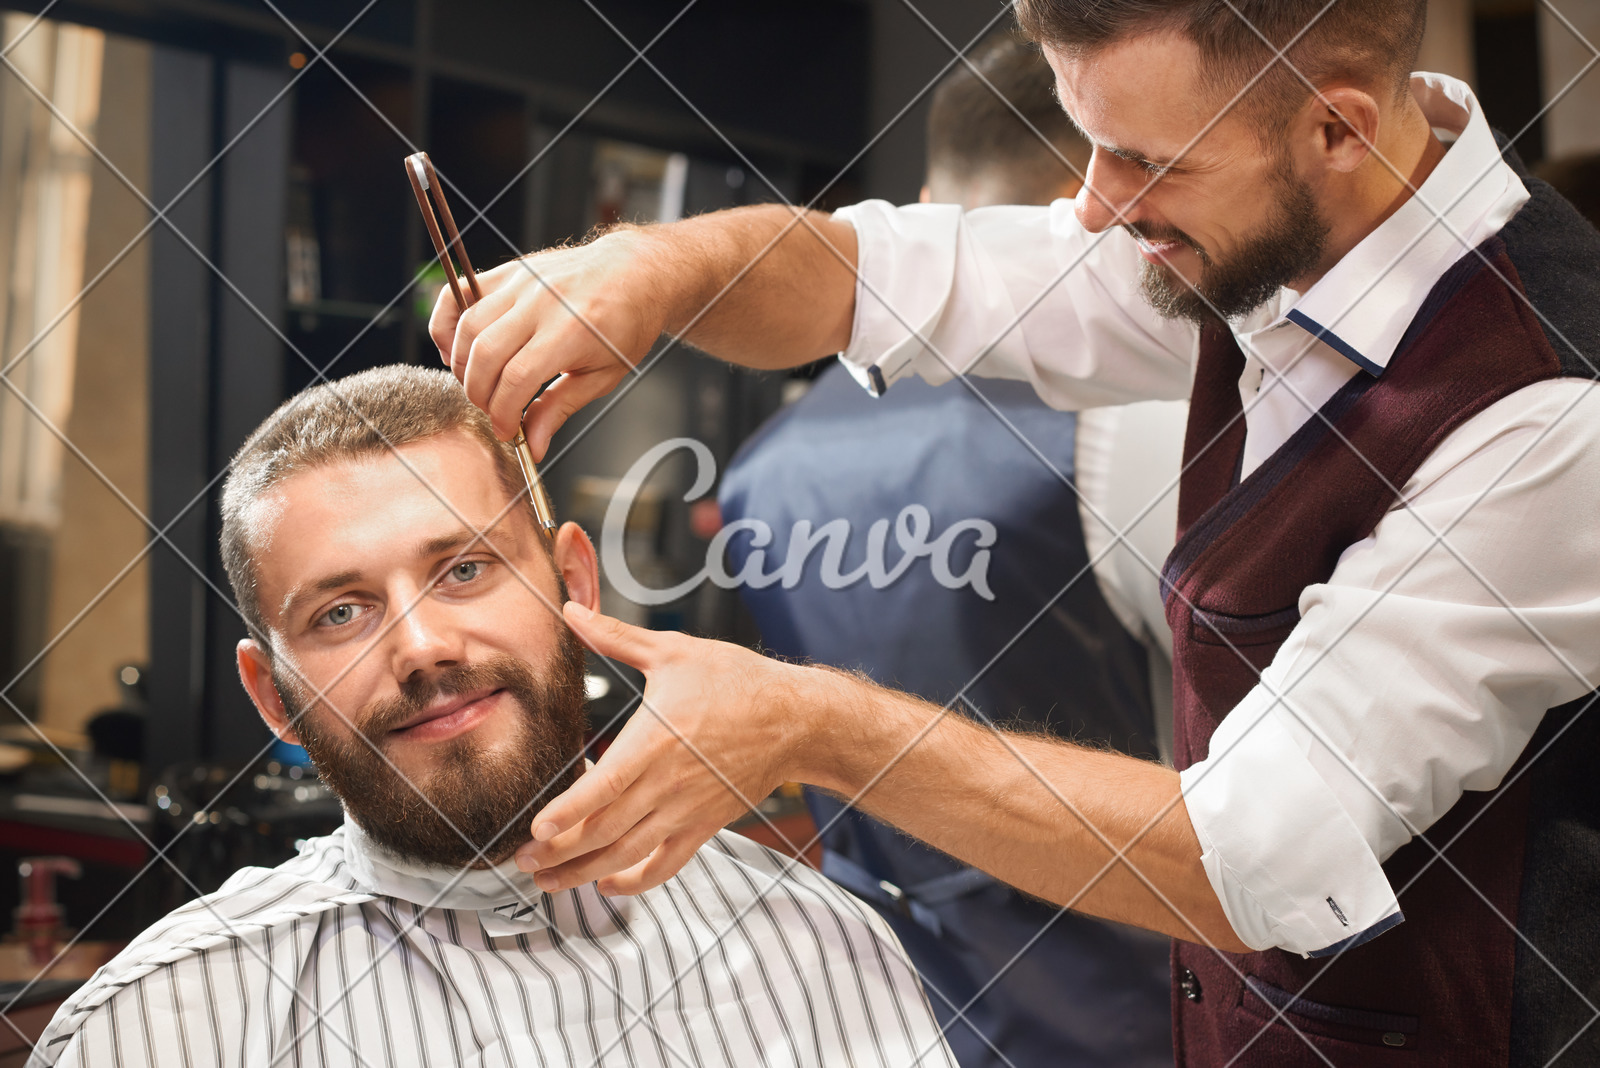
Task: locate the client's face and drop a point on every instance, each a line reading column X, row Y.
column 452, row 697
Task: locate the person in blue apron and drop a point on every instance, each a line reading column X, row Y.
column 1014, row 980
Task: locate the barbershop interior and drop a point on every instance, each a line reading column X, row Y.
column 208, row 207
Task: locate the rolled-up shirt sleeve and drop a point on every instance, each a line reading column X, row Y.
column 1009, row 292
column 1418, row 671
column 1290, row 867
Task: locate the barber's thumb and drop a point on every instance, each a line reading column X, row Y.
column 609, row 636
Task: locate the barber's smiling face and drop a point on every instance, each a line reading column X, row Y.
column 441, row 648
column 1224, row 214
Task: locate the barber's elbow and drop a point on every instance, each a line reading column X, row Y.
column 1226, row 940
column 1197, row 915
column 1207, row 925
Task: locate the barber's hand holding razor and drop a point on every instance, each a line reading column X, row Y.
column 585, row 313
column 764, row 286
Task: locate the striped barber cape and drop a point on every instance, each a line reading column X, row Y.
column 347, row 956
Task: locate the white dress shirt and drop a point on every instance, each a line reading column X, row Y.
column 1126, row 462
column 347, row 956
column 1408, row 679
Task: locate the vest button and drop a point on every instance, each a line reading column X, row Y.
column 1393, row 1038
column 1189, row 984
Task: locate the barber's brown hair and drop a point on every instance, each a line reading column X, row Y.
column 1000, row 117
column 1369, row 42
column 359, row 416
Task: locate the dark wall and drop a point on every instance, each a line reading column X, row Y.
column 790, row 71
column 909, row 55
column 788, row 76
column 216, row 370
column 24, row 602
column 1509, row 78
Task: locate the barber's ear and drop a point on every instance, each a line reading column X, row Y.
column 1345, row 123
column 255, row 672
column 580, row 569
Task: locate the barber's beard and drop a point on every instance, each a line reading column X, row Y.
column 475, row 800
column 1289, row 246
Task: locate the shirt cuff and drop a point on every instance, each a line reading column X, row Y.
column 905, row 264
column 1288, row 864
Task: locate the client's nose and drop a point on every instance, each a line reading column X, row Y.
column 423, row 640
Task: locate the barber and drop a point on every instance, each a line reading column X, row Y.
column 1015, row 982
column 1384, row 594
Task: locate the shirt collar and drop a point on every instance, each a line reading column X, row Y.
column 503, row 890
column 1363, row 305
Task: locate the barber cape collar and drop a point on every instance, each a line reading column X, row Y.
column 506, row 900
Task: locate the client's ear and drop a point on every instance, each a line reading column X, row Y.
column 255, row 672
column 574, row 555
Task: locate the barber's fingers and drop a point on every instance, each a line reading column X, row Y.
column 454, row 330
column 592, row 813
column 667, row 860
column 608, row 800
column 594, row 836
column 565, row 396
column 608, row 636
column 484, row 341
column 631, row 849
column 516, row 349
column 442, row 323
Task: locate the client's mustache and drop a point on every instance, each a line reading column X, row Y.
column 500, row 672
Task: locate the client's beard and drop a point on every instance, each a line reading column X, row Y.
column 1291, row 245
column 490, row 799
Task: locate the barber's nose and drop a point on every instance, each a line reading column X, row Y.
column 424, row 640
column 1110, row 186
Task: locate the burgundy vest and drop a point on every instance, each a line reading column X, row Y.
column 1438, row 989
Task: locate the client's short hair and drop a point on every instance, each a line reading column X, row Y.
column 363, row 415
column 998, row 122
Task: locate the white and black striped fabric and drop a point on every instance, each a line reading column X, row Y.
column 344, row 957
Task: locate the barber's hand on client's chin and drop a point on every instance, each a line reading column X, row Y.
column 589, row 313
column 712, row 738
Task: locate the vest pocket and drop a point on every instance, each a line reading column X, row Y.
column 1217, row 628
column 1261, row 1000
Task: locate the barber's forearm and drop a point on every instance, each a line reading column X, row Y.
column 979, row 797
column 764, row 286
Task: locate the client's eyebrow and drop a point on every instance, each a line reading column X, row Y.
column 292, row 599
column 439, row 545
column 463, row 539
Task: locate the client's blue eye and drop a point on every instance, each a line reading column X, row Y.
column 339, row 615
column 465, row 571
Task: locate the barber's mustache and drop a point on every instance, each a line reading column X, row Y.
column 1158, row 234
